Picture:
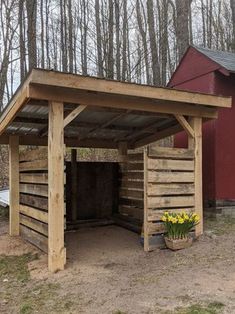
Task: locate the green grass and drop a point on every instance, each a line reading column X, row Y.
column 15, row 267
column 211, row 308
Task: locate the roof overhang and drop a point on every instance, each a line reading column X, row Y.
column 115, row 112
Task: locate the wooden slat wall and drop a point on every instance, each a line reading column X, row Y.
column 169, row 185
column 131, row 192
column 34, row 197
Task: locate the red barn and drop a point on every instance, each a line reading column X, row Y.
column 213, row 72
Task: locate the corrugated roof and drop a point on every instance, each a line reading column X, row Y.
column 223, row 58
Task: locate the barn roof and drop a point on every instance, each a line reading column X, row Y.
column 223, row 58
column 106, row 112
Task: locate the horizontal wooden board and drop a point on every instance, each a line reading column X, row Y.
column 132, row 175
column 131, row 193
column 170, row 202
column 35, row 189
column 131, row 211
column 170, row 164
column 41, row 178
column 34, row 154
column 135, row 157
column 34, row 201
column 34, row 224
column 34, row 213
column 168, row 177
column 132, row 184
column 158, row 189
column 155, row 228
column 35, row 238
column 34, row 165
column 132, row 166
column 131, row 202
column 156, row 215
column 172, row 153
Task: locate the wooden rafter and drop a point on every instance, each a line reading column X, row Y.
column 184, row 123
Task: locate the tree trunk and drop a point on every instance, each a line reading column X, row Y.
column 31, row 7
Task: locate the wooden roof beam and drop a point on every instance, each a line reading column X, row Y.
column 120, row 102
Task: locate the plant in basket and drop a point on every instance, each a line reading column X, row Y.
column 178, row 226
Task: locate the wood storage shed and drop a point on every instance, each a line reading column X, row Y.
column 59, row 110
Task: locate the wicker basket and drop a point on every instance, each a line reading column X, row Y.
column 178, row 244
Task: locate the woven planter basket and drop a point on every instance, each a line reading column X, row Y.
column 178, row 244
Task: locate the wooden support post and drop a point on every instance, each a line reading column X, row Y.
column 122, row 152
column 14, row 185
column 74, row 183
column 56, row 250
column 146, row 235
column 196, row 144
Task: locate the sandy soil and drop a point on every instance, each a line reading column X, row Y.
column 108, row 272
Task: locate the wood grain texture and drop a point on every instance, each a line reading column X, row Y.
column 170, row 201
column 34, row 189
column 35, row 238
column 34, row 213
column 40, row 178
column 34, row 224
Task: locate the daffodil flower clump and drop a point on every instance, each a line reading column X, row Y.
column 178, row 225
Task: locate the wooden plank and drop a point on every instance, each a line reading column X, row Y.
column 170, row 164
column 155, row 228
column 34, row 165
column 184, row 123
column 34, row 201
column 156, row 215
column 41, row 178
column 34, row 224
column 35, row 238
column 14, row 185
column 34, row 213
column 56, row 249
column 132, row 166
column 131, row 202
column 72, row 115
column 196, row 123
column 169, row 152
column 35, row 189
column 170, row 201
column 132, row 184
column 131, row 193
column 170, row 189
column 170, row 177
column 138, row 157
column 34, row 154
column 132, row 175
column 137, row 213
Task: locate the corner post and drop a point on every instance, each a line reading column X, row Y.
column 122, row 152
column 74, row 183
column 196, row 144
column 56, row 249
column 14, row 227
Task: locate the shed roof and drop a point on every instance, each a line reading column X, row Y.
column 223, row 58
column 115, row 111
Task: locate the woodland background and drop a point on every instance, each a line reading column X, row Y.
column 130, row 40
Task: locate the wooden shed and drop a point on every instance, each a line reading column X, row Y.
column 59, row 110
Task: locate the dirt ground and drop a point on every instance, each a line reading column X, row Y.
column 108, row 272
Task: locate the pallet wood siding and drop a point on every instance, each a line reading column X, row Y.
column 169, row 186
column 131, row 189
column 33, row 169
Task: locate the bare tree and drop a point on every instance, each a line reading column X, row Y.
column 31, row 8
